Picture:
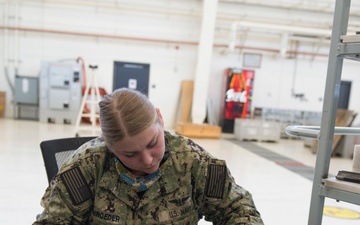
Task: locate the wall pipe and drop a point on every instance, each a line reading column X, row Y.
column 194, row 43
column 315, row 6
column 277, row 28
column 6, row 49
column 283, row 30
column 16, row 39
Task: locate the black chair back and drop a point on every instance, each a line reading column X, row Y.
column 56, row 151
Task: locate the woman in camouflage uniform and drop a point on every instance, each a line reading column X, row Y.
column 138, row 173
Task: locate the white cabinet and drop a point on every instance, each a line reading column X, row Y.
column 258, row 130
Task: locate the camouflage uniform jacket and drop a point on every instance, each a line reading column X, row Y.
column 88, row 190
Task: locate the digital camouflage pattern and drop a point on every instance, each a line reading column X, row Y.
column 88, row 190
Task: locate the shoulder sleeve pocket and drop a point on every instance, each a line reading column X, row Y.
column 216, row 181
column 76, row 185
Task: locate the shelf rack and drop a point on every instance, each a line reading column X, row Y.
column 314, row 131
column 340, row 48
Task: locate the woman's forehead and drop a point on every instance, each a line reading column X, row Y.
column 140, row 141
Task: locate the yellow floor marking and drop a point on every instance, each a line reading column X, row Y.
column 341, row 213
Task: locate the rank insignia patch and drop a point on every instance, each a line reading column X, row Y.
column 76, row 185
column 216, row 181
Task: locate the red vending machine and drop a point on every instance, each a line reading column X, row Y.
column 237, row 96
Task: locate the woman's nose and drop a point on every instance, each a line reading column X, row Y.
column 147, row 158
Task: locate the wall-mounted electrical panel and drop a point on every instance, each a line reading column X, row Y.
column 60, row 91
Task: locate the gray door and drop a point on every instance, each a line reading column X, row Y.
column 131, row 75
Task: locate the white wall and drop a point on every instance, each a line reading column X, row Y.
column 165, row 35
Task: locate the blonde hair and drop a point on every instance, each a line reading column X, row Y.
column 125, row 112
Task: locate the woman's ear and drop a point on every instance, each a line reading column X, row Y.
column 159, row 116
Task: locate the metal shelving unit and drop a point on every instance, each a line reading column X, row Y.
column 339, row 49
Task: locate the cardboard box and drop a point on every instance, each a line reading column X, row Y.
column 2, row 103
column 192, row 130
